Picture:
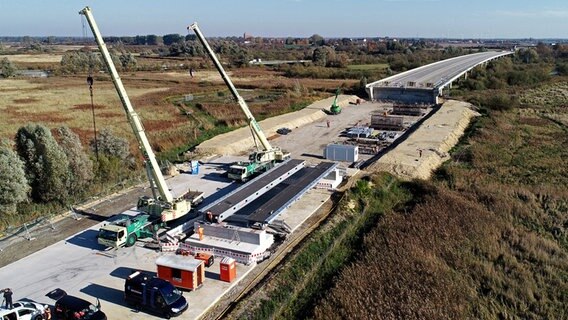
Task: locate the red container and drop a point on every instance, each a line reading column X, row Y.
column 228, row 270
column 182, row 271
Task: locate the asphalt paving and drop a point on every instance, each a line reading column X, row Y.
column 439, row 72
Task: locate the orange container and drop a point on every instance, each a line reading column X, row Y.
column 209, row 259
column 183, row 272
column 228, row 270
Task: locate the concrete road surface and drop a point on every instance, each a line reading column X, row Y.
column 439, row 72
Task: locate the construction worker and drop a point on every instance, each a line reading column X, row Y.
column 327, row 122
column 420, row 153
column 47, row 312
column 8, row 298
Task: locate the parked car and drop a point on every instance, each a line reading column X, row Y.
column 30, row 304
column 142, row 290
column 20, row 313
column 72, row 308
column 283, row 131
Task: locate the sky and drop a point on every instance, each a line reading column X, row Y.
column 294, row 18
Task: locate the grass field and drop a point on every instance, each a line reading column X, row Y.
column 33, row 58
column 66, row 101
column 156, row 97
column 487, row 239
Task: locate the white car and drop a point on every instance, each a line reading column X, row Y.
column 30, row 304
column 20, row 313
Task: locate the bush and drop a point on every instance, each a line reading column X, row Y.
column 562, row 69
column 7, row 68
column 110, row 145
column 46, row 163
column 14, row 186
column 500, row 102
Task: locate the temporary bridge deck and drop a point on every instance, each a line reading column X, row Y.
column 248, row 192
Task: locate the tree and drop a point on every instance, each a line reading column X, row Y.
column 127, row 61
column 110, row 145
column 187, row 48
column 45, row 162
column 50, row 40
column 7, row 67
column 317, row 40
column 140, row 40
column 80, row 166
column 14, row 186
column 152, row 40
column 322, row 56
column 171, row 38
column 73, row 62
column 528, row 55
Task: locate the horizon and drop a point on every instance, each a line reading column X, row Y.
column 90, row 37
column 426, row 19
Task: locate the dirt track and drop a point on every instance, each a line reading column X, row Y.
column 240, row 140
column 427, row 148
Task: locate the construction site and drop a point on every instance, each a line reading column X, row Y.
column 212, row 221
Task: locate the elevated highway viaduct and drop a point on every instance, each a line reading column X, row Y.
column 425, row 84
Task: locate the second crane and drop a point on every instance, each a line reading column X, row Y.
column 262, row 159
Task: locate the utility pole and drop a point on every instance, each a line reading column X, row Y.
column 90, row 82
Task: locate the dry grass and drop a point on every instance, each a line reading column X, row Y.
column 65, row 100
column 487, row 239
column 33, row 58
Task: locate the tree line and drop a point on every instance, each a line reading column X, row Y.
column 42, row 166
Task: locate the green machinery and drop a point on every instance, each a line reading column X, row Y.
column 126, row 229
column 335, row 108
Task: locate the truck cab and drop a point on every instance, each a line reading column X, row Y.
column 145, row 291
column 238, row 171
column 125, row 230
column 112, row 236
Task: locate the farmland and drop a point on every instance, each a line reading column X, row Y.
column 157, row 96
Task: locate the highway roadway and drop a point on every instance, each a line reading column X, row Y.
column 440, row 73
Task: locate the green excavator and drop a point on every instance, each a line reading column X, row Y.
column 335, row 108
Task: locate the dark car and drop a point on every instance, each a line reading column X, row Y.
column 156, row 295
column 71, row 308
column 283, row 131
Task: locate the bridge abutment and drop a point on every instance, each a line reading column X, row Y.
column 404, row 95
